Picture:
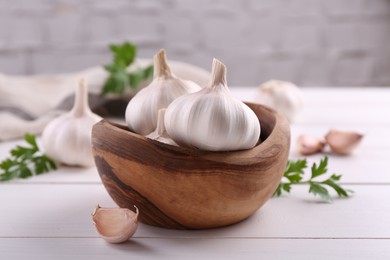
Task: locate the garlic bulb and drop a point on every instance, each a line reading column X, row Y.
column 283, row 96
column 142, row 110
column 212, row 119
column 115, row 225
column 67, row 138
column 160, row 134
column 343, row 142
column 307, row 145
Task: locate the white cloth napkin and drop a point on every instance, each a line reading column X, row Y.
column 28, row 103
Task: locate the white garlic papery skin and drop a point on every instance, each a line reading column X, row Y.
column 67, row 139
column 285, row 97
column 160, row 134
column 115, row 225
column 142, row 110
column 212, row 119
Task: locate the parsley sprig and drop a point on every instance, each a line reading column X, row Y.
column 119, row 78
column 294, row 175
column 25, row 161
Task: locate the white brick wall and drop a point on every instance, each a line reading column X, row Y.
column 310, row 42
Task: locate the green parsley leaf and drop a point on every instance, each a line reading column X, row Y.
column 116, row 82
column 124, row 54
column 8, row 167
column 297, row 166
column 30, row 139
column 321, row 169
column 294, row 171
column 294, row 175
column 339, row 190
column 317, row 189
column 119, row 78
column 282, row 187
column 25, row 161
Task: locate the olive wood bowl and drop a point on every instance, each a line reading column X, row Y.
column 186, row 188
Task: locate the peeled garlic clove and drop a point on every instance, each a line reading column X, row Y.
column 115, row 225
column 212, row 119
column 67, row 138
column 160, row 134
column 307, row 145
column 142, row 110
column 285, row 97
column 343, row 142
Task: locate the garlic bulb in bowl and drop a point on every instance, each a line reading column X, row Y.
column 142, row 110
column 67, row 138
column 160, row 133
column 212, row 119
column 285, row 97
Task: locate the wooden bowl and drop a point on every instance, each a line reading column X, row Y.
column 183, row 188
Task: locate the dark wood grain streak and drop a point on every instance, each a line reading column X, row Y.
column 189, row 188
column 149, row 213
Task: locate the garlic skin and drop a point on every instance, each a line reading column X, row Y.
column 343, row 142
column 212, row 119
column 160, row 134
column 285, row 97
column 115, row 225
column 142, row 110
column 67, row 138
column 308, row 145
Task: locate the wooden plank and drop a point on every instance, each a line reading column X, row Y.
column 337, row 106
column 367, row 164
column 369, row 161
column 324, row 96
column 375, row 137
column 364, row 167
column 64, row 211
column 369, row 167
column 201, row 248
column 339, row 96
column 355, row 116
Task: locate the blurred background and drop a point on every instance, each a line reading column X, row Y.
column 309, row 42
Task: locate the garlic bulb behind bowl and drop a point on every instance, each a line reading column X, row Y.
column 142, row 110
column 285, row 97
column 212, row 119
column 67, row 139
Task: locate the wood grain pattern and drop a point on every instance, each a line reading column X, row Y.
column 182, row 188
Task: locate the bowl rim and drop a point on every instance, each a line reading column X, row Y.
column 281, row 127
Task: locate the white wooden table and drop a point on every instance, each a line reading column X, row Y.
column 48, row 216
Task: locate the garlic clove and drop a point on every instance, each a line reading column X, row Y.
column 343, row 142
column 283, row 96
column 160, row 134
column 142, row 109
column 115, row 225
column 308, row 145
column 212, row 119
column 67, row 138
